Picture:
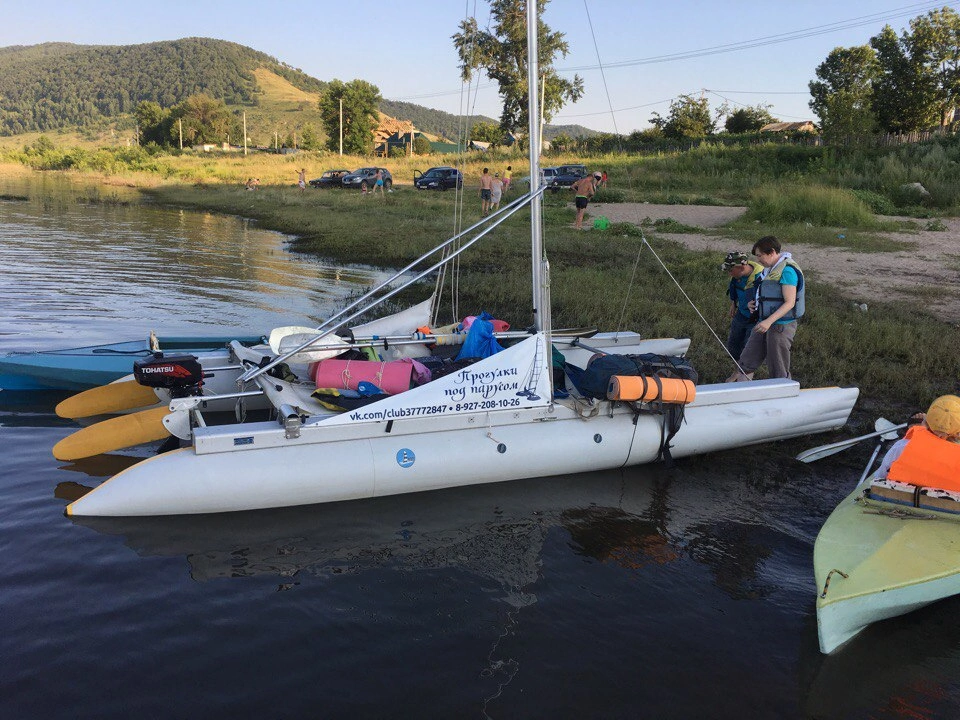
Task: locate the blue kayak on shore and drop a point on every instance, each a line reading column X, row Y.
column 86, row 367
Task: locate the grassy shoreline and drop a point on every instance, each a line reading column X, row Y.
column 898, row 355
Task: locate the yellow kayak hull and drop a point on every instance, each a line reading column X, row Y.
column 874, row 562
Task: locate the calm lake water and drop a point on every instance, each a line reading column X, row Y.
column 649, row 593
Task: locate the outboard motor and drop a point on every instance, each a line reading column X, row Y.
column 182, row 375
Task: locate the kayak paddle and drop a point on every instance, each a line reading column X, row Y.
column 818, row 453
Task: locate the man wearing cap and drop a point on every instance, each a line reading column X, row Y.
column 779, row 302
column 585, row 188
column 929, row 454
column 743, row 274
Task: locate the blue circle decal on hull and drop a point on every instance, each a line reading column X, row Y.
column 405, row 457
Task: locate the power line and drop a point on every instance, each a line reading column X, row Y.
column 619, row 110
column 769, row 39
column 907, row 10
column 441, row 93
column 762, row 92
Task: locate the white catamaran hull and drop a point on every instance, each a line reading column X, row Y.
column 439, row 436
column 491, row 421
column 893, row 566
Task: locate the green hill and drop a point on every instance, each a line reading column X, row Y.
column 571, row 131
column 444, row 124
column 57, row 85
column 434, row 122
column 95, row 88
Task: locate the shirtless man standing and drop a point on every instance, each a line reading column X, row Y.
column 486, row 194
column 585, row 188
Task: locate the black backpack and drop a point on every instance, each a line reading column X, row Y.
column 594, row 380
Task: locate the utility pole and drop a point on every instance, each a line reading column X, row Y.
column 244, row 133
column 341, row 126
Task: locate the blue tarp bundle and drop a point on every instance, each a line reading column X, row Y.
column 480, row 342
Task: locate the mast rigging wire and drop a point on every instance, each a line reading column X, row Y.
column 638, row 222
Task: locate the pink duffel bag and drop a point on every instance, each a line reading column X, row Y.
column 391, row 377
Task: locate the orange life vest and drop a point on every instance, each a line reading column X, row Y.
column 927, row 460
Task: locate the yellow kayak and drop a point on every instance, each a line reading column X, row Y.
column 875, row 560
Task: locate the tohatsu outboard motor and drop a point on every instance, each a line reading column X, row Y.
column 182, row 375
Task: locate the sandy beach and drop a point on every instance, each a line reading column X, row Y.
column 933, row 259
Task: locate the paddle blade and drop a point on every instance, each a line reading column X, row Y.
column 283, row 340
column 823, row 451
column 888, row 428
column 107, row 400
column 818, row 453
column 278, row 334
column 114, row 434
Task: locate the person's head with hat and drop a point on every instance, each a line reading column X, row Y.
column 943, row 417
column 736, row 264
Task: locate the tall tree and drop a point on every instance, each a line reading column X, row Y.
column 689, row 118
column 487, row 132
column 934, row 46
column 748, row 119
column 842, row 96
column 308, row 138
column 204, row 119
column 361, row 102
column 153, row 123
column 902, row 99
column 502, row 54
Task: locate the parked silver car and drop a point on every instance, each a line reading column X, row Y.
column 364, row 178
column 546, row 176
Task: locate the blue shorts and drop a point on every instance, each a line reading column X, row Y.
column 485, row 194
column 380, row 182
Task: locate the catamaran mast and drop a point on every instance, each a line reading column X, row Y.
column 540, row 268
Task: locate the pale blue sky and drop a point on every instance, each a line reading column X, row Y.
column 405, row 49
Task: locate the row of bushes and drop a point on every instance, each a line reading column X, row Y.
column 709, row 172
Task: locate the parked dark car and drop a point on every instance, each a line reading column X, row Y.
column 330, row 179
column 438, row 178
column 364, row 178
column 566, row 176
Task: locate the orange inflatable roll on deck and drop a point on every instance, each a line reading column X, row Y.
column 642, row 388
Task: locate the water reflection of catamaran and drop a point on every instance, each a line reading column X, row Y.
column 497, row 424
column 496, row 534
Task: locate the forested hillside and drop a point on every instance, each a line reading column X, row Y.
column 56, row 85
column 435, row 122
column 60, row 85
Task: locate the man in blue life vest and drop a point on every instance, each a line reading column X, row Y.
column 743, row 274
column 779, row 303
